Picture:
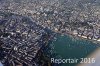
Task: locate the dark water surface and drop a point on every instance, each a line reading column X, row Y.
column 67, row 47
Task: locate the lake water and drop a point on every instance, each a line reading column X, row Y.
column 67, row 47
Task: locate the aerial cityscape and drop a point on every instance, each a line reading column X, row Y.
column 30, row 30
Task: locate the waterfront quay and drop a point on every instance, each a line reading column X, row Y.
column 24, row 25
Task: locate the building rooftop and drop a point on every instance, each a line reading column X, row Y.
column 21, row 38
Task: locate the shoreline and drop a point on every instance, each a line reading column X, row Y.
column 77, row 36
